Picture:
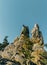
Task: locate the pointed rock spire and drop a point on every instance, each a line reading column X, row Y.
column 25, row 30
column 37, row 34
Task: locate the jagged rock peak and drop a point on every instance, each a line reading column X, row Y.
column 35, row 31
column 37, row 34
column 25, row 30
column 24, row 50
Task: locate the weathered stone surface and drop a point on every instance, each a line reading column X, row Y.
column 37, row 35
column 4, row 61
column 24, row 50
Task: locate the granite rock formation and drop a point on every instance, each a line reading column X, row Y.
column 25, row 50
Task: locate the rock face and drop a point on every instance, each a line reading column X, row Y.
column 38, row 43
column 37, row 34
column 24, row 50
column 25, row 30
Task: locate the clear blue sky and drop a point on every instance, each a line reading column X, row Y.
column 15, row 13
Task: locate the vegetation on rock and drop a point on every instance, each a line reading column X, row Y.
column 24, row 50
column 4, row 43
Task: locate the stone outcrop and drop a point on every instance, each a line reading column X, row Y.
column 24, row 50
column 37, row 34
column 25, row 30
column 38, row 43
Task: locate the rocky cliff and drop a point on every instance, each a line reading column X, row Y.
column 25, row 50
